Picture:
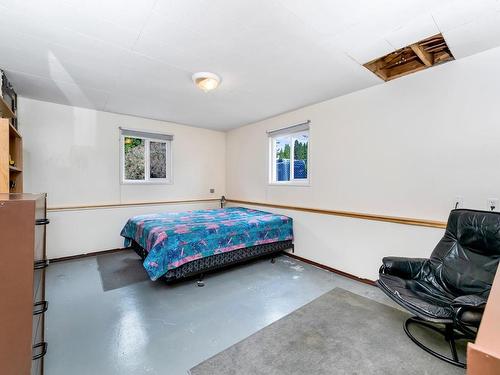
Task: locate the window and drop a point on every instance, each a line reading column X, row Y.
column 289, row 155
column 145, row 157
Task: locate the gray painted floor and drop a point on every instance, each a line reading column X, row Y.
column 106, row 317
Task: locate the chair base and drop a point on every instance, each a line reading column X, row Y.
column 450, row 335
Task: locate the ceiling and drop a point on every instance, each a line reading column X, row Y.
column 137, row 56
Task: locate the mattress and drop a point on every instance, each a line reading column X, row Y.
column 172, row 239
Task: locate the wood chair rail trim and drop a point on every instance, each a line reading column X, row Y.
column 128, row 204
column 355, row 215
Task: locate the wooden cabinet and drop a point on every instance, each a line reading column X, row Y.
column 23, row 305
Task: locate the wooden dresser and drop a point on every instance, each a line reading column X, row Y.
column 23, row 305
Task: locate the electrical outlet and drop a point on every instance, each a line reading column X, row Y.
column 458, row 202
column 492, row 204
column 212, row 191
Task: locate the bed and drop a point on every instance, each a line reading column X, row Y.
column 175, row 245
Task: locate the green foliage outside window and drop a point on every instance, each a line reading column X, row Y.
column 283, row 153
column 299, row 150
column 158, row 159
column 134, row 158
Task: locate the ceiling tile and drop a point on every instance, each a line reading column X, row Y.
column 474, row 37
column 28, row 25
column 130, row 14
column 225, row 47
column 333, row 17
column 453, row 14
column 137, row 57
column 50, row 67
column 147, row 77
column 362, row 49
column 330, row 17
column 419, row 28
column 174, row 44
column 215, row 18
column 47, row 18
column 26, row 54
column 58, row 92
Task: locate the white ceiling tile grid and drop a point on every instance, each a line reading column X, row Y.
column 137, row 57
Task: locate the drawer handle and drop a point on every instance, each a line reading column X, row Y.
column 41, row 307
column 41, row 264
column 42, row 221
column 43, row 351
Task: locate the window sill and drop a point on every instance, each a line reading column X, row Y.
column 293, row 183
column 146, row 183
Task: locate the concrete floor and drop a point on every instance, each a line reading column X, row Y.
column 106, row 317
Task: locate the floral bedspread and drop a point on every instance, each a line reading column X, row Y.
column 174, row 238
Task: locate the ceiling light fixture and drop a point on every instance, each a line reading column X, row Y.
column 206, row 81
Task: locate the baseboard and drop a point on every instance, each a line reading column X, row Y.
column 86, row 255
column 291, row 255
column 331, row 269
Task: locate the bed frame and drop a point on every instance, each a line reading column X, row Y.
column 203, row 265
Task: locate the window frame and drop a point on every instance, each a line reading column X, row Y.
column 147, row 172
column 272, row 159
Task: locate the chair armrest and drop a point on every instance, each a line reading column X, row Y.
column 402, row 267
column 469, row 301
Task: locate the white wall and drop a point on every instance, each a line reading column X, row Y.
column 73, row 155
column 402, row 148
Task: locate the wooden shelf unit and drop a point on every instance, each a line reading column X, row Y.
column 5, row 110
column 11, row 147
column 13, row 169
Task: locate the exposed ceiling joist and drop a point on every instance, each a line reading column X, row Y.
column 411, row 59
column 426, row 57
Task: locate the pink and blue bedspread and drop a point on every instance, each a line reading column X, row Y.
column 174, row 238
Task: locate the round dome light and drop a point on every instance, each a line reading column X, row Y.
column 206, row 81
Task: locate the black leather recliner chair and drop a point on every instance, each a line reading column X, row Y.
column 452, row 287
